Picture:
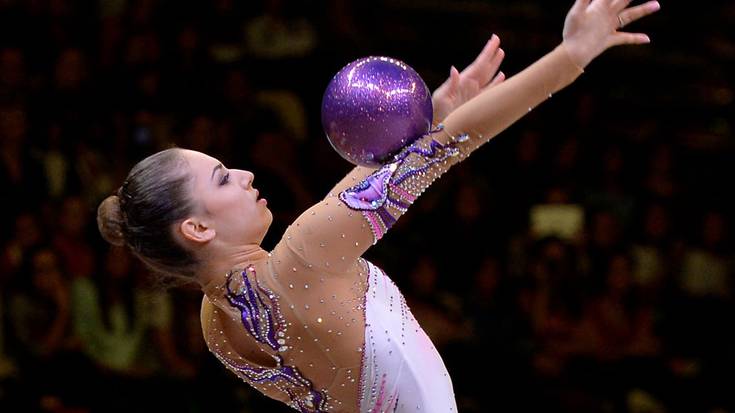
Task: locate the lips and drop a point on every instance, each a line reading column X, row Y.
column 258, row 199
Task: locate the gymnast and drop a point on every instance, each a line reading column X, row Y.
column 311, row 323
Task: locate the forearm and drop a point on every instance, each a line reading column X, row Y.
column 397, row 185
column 383, row 195
column 357, row 174
column 497, row 108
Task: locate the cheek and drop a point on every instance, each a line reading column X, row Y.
column 221, row 200
column 236, row 207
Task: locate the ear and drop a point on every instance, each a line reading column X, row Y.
column 197, row 231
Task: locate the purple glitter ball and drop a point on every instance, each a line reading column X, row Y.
column 373, row 107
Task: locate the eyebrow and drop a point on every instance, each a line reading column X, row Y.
column 214, row 171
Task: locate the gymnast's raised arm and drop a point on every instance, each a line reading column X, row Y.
column 482, row 74
column 338, row 230
column 591, row 27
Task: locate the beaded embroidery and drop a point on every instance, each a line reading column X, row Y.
column 301, row 392
column 257, row 316
column 385, row 402
column 399, row 183
column 262, row 318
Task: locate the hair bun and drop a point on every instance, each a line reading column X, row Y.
column 110, row 221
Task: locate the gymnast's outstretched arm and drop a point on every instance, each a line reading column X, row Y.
column 482, row 74
column 335, row 232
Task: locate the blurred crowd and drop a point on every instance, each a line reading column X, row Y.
column 582, row 261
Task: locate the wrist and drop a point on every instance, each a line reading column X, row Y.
column 577, row 54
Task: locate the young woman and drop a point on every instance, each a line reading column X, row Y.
column 311, row 323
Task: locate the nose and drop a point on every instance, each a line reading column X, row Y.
column 247, row 179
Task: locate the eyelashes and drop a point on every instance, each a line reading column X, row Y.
column 225, row 179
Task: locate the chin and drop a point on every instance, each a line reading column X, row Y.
column 267, row 226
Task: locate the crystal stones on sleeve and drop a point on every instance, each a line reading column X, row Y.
column 388, row 192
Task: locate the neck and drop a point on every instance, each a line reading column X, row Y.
column 213, row 272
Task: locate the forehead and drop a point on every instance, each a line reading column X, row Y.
column 201, row 166
column 200, row 161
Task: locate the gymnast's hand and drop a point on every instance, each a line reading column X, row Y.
column 593, row 26
column 478, row 76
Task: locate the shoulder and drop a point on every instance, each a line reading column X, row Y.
column 324, row 234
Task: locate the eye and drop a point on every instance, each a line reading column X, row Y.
column 225, row 179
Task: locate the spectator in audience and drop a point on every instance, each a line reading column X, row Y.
column 437, row 310
column 239, row 107
column 20, row 170
column 40, row 306
column 555, row 305
column 612, row 191
column 660, row 181
column 621, row 323
column 13, row 80
column 27, row 233
column 604, row 236
column 110, row 316
column 618, row 334
column 280, row 32
column 652, row 249
column 502, row 332
column 707, row 266
column 77, row 256
column 41, row 334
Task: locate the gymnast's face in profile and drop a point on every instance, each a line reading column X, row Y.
column 228, row 208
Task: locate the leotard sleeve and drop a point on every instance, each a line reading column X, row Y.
column 364, row 205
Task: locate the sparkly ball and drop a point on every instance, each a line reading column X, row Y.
column 373, row 107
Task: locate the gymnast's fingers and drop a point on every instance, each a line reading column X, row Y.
column 632, row 14
column 498, row 79
column 621, row 38
column 487, row 62
column 619, row 5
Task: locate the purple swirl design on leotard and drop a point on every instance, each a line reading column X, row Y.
column 388, row 186
column 261, row 317
column 370, row 193
column 436, row 152
column 256, row 315
column 313, row 402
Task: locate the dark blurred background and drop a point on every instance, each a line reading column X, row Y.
column 581, row 261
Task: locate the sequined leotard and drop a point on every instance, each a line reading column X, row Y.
column 316, row 326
